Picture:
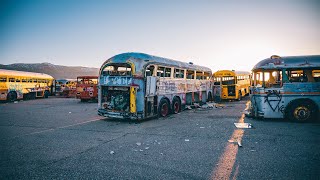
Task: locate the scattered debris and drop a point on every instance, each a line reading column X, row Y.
column 159, row 142
column 146, row 148
column 161, row 153
column 243, row 125
column 138, row 143
column 201, row 127
column 111, row 152
column 252, row 150
column 69, row 112
column 196, row 105
column 186, row 140
column 15, row 102
column 140, row 150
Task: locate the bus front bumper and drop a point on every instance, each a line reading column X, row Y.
column 117, row 115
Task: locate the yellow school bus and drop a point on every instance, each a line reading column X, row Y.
column 16, row 85
column 230, row 84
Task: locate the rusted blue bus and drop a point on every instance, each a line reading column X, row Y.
column 139, row 86
column 286, row 87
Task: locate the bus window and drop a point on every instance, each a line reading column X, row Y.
column 3, row 79
column 18, row 80
column 206, row 76
column 149, row 70
column 179, row 73
column 190, row 74
column 199, row 75
column 167, row 72
column 23, row 80
column 117, row 70
column 160, row 71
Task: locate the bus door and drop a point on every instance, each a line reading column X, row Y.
column 150, row 97
column 217, row 89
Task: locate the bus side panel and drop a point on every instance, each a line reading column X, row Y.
column 139, row 95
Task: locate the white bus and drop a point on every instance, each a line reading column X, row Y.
column 139, row 86
column 286, row 87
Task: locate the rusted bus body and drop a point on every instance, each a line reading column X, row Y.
column 87, row 88
column 15, row 85
column 65, row 87
column 230, row 84
column 148, row 86
column 286, row 87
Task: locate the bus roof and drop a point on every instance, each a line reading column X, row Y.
column 230, row 73
column 88, row 77
column 277, row 62
column 5, row 72
column 141, row 60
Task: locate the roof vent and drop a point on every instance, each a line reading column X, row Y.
column 275, row 57
column 190, row 62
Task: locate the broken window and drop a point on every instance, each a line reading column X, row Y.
column 117, row 70
column 3, row 79
column 149, row 70
column 179, row 73
column 190, row 74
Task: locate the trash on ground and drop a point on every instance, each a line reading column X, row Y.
column 187, row 140
column 243, row 125
column 201, row 127
column 15, row 102
column 252, row 150
column 141, row 150
column 146, row 148
column 239, row 144
column 196, row 105
column 138, row 143
column 111, row 152
column 69, row 112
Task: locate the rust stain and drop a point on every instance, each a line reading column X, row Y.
column 228, row 158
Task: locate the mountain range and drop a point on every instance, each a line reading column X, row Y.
column 56, row 71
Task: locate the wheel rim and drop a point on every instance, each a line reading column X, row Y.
column 301, row 113
column 164, row 109
column 176, row 107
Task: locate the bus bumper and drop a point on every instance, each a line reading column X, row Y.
column 117, row 115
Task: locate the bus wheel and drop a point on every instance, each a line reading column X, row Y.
column 301, row 110
column 176, row 105
column 46, row 94
column 163, row 108
column 239, row 96
column 12, row 96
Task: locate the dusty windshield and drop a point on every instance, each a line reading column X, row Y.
column 117, row 70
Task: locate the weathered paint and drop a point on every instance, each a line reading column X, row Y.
column 166, row 87
column 271, row 102
column 133, row 108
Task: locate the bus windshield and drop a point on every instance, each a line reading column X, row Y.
column 117, row 70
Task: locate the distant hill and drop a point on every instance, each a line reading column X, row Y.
column 57, row 71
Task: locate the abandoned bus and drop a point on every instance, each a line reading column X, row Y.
column 87, row 88
column 286, row 87
column 65, row 87
column 139, row 86
column 16, row 85
column 230, row 84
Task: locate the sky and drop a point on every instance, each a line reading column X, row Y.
column 219, row 34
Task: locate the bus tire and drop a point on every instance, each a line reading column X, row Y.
column 209, row 97
column 176, row 105
column 239, row 96
column 164, row 108
column 12, row 96
column 301, row 110
column 46, row 94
